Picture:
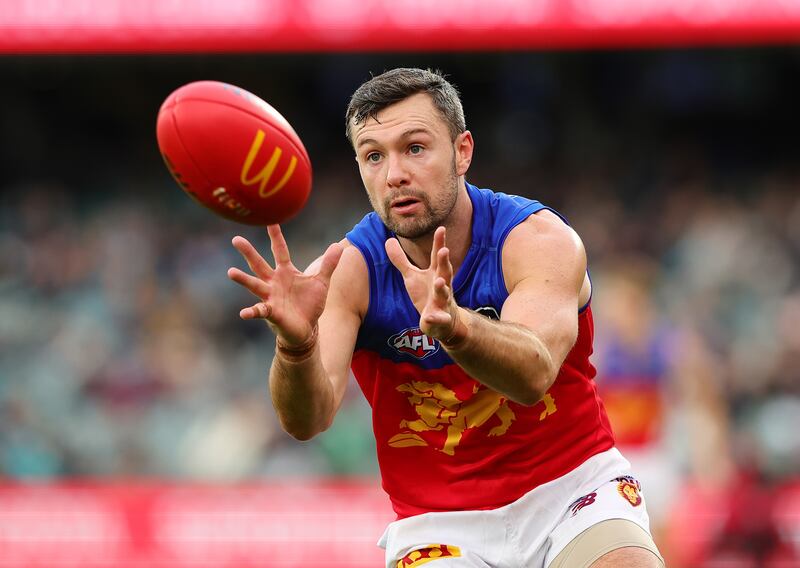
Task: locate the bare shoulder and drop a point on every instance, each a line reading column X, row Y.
column 350, row 281
column 543, row 246
column 349, row 287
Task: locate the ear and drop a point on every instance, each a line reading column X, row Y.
column 464, row 145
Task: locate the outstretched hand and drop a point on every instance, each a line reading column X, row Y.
column 291, row 301
column 431, row 290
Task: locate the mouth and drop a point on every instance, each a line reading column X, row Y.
column 404, row 205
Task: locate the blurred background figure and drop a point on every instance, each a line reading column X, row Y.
column 123, row 360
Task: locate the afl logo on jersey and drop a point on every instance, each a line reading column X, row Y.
column 413, row 342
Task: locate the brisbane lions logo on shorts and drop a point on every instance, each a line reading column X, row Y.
column 629, row 489
column 413, row 342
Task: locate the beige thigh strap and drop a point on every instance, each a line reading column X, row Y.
column 602, row 538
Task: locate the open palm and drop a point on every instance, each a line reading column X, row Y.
column 430, row 289
column 291, row 301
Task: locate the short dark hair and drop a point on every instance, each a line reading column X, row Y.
column 398, row 84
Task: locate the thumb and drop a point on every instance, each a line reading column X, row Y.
column 330, row 260
column 397, row 257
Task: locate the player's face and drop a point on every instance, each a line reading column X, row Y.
column 408, row 165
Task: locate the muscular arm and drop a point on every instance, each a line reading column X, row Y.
column 307, row 391
column 507, row 357
column 315, row 316
column 544, row 266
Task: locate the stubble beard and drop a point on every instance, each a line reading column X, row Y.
column 433, row 215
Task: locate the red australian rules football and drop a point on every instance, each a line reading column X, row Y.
column 233, row 153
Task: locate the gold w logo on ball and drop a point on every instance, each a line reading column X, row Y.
column 262, row 178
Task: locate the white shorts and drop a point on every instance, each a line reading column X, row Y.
column 531, row 531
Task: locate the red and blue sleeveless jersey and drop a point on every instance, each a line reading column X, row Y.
column 446, row 442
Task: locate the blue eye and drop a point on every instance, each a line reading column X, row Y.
column 415, row 149
column 373, row 157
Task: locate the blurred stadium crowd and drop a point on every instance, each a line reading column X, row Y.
column 122, row 354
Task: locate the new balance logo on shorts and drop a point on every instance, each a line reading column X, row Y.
column 582, row 502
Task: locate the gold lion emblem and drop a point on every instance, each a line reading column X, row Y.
column 629, row 492
column 438, row 408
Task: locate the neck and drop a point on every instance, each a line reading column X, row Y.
column 458, row 238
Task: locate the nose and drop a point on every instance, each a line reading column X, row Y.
column 397, row 174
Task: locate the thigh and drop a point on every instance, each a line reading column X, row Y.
column 615, row 543
column 611, row 517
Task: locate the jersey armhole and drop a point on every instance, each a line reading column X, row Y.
column 519, row 217
column 591, row 293
column 589, row 274
column 533, row 209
